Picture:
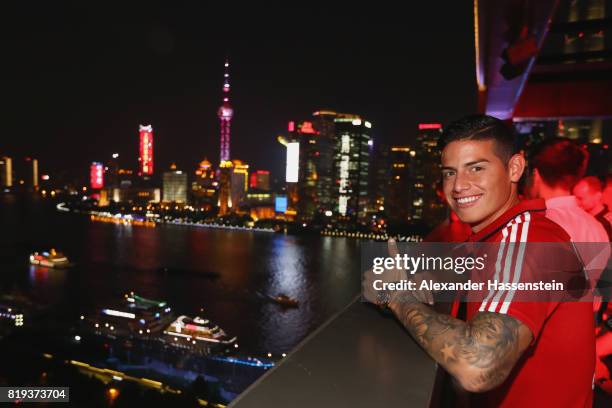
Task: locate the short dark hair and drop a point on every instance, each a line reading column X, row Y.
column 482, row 127
column 560, row 162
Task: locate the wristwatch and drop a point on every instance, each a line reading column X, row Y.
column 382, row 298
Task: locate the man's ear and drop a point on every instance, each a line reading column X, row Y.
column 516, row 167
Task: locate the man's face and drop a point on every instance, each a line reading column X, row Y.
column 477, row 184
column 586, row 197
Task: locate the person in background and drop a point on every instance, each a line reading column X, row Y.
column 557, row 166
column 607, row 191
column 588, row 192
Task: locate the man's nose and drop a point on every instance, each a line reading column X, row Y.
column 461, row 183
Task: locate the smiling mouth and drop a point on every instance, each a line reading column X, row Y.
column 467, row 201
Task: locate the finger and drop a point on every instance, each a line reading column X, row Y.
column 430, row 299
column 418, row 295
column 392, row 245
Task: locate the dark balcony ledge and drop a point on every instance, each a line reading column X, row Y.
column 358, row 358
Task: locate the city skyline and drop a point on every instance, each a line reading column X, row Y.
column 146, row 66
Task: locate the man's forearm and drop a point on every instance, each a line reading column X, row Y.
column 480, row 354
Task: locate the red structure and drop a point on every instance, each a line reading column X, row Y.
column 225, row 114
column 145, row 159
column 96, row 175
column 260, row 179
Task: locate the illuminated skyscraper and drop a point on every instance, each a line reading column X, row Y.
column 145, row 159
column 96, row 175
column 204, row 176
column 402, row 184
column 351, row 165
column 323, row 122
column 204, row 188
column 306, row 140
column 260, row 180
column 225, row 114
column 239, row 183
column 25, row 173
column 174, row 186
column 426, row 205
column 34, row 174
column 111, row 174
column 225, row 187
column 6, row 172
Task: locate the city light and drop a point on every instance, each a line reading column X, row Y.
column 146, row 150
column 118, row 313
column 425, row 126
column 113, row 393
column 293, row 162
column 96, row 175
column 307, row 128
column 280, row 204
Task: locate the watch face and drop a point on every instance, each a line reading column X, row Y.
column 382, row 298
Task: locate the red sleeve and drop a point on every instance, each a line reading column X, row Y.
column 518, row 261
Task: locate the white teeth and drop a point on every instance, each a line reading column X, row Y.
column 465, row 200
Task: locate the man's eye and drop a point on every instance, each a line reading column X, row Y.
column 477, row 168
column 448, row 174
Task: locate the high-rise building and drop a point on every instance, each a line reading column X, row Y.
column 6, row 172
column 291, row 173
column 306, row 140
column 260, row 180
column 379, row 177
column 174, row 186
column 225, row 114
column 225, row 187
column 34, row 172
column 205, row 186
column 96, row 175
column 351, row 165
column 145, row 159
column 399, row 202
column 427, row 207
column 130, row 195
column 111, row 173
column 239, row 183
column 26, row 173
column 323, row 122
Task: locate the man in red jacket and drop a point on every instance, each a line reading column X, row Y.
column 511, row 352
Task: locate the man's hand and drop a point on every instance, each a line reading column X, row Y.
column 395, row 275
column 391, row 275
column 421, row 295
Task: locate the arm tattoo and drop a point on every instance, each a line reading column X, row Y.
column 487, row 345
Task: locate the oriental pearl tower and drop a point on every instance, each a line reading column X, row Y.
column 225, row 114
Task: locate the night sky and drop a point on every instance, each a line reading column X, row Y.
column 78, row 79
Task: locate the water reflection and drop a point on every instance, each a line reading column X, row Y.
column 286, row 268
column 178, row 264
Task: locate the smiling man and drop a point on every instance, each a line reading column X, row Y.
column 509, row 353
